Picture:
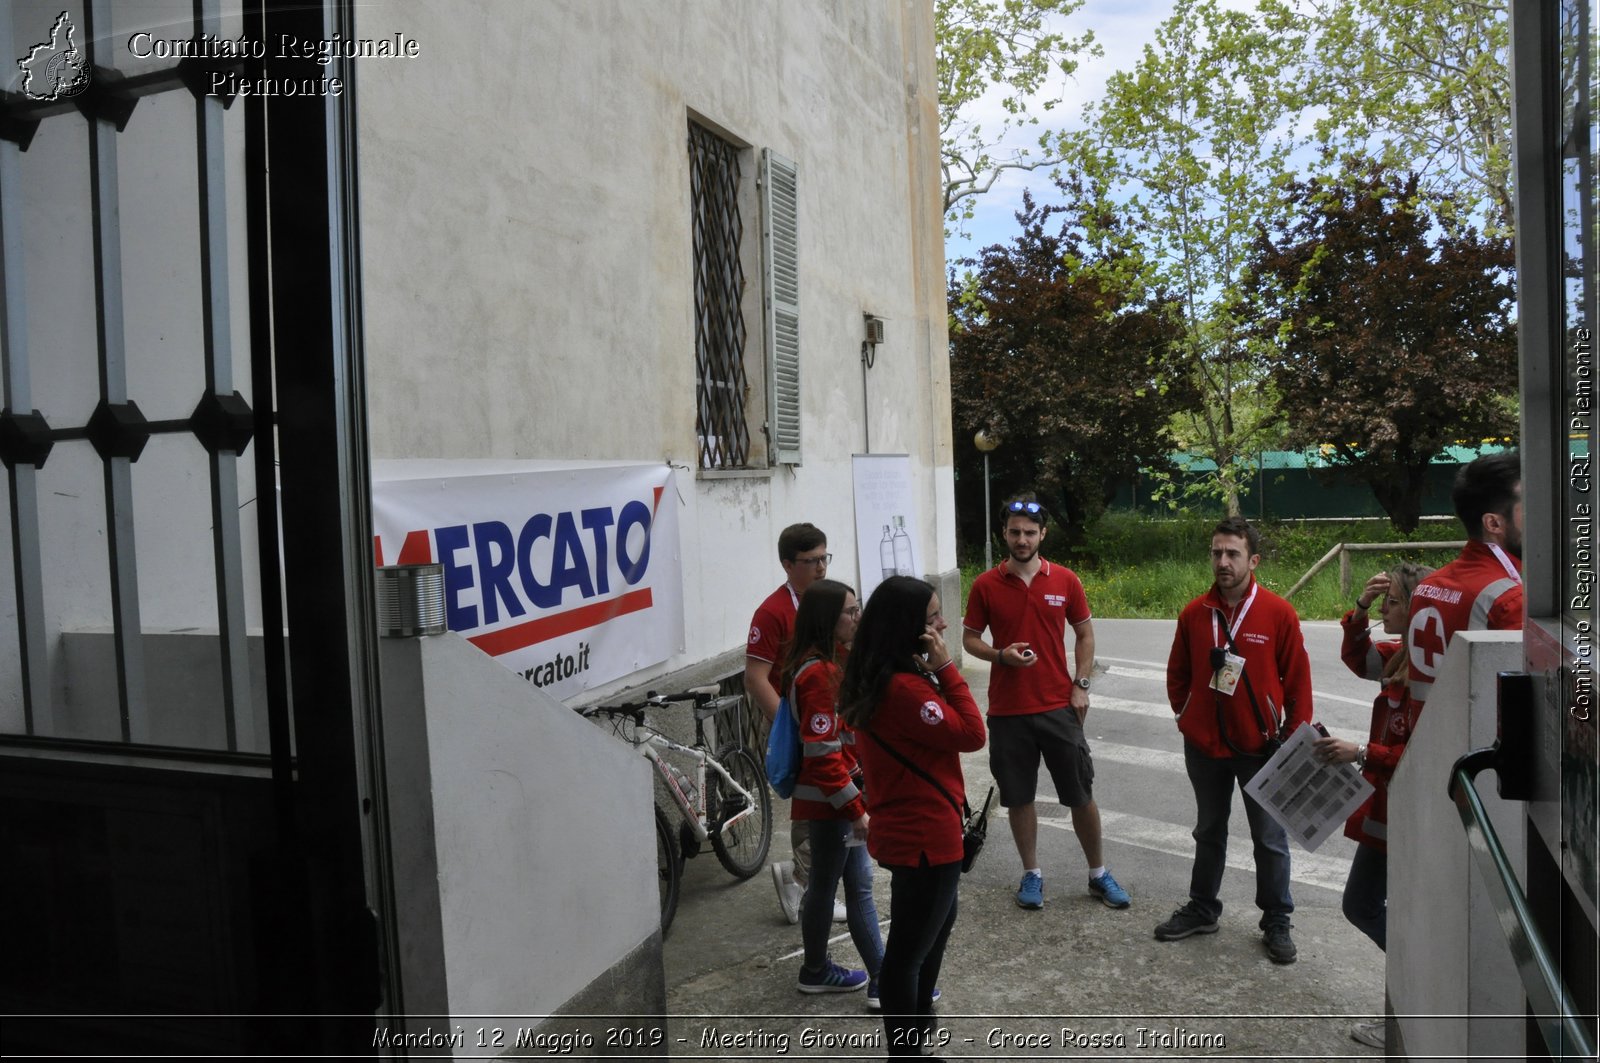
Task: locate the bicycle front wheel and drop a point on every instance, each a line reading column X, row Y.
column 669, row 869
column 741, row 845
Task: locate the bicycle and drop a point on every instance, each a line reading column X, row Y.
column 729, row 805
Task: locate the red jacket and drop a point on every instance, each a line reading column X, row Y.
column 1394, row 718
column 1274, row 651
column 826, row 787
column 1481, row 589
column 930, row 724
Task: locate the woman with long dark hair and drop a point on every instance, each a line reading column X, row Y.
column 909, row 703
column 827, row 792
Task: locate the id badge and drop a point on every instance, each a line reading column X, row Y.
column 1225, row 680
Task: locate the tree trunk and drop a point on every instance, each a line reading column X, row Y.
column 1399, row 490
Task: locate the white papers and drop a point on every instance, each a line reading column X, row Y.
column 1310, row 798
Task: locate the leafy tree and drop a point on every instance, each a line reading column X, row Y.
column 1005, row 53
column 1060, row 352
column 1423, row 85
column 1392, row 328
column 1194, row 143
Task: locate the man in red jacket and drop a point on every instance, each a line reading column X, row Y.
column 1482, row 588
column 1237, row 677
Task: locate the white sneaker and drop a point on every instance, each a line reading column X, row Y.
column 839, row 915
column 789, row 891
column 1370, row 1034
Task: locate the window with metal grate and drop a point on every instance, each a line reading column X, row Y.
column 721, row 380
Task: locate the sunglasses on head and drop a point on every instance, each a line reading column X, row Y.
column 1025, row 507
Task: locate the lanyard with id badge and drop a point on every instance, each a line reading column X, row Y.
column 1227, row 667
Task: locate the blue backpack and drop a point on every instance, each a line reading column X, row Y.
column 783, row 743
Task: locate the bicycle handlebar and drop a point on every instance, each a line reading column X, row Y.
column 698, row 695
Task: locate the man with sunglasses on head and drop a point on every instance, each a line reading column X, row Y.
column 803, row 553
column 1036, row 706
column 1237, row 678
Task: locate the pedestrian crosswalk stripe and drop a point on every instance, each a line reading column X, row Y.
column 1125, row 828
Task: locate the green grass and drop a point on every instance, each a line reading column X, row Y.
column 1140, row 567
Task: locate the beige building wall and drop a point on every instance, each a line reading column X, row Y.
column 528, row 287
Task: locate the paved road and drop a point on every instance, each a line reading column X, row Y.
column 1013, row 976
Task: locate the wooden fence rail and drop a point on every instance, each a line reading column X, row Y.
column 1343, row 551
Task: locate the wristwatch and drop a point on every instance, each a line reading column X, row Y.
column 1082, row 681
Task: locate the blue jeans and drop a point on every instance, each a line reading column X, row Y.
column 1366, row 894
column 1213, row 779
column 923, row 901
column 832, row 859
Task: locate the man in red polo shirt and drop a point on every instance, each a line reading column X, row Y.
column 1482, row 588
column 803, row 553
column 1036, row 707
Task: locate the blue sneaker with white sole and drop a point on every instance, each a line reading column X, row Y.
column 1031, row 893
column 832, row 979
column 1106, row 888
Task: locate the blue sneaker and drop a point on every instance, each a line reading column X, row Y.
column 1031, row 893
column 875, row 1004
column 1105, row 887
column 832, row 979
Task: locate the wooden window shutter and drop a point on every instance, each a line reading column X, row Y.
column 781, row 300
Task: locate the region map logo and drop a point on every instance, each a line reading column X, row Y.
column 56, row 68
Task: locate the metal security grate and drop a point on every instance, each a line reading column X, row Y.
column 721, row 383
column 223, row 421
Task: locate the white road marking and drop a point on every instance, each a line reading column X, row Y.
column 1308, row 869
column 1160, row 676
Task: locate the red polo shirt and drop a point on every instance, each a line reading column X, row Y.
column 770, row 631
column 1036, row 613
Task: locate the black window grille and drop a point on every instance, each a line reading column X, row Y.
column 721, row 383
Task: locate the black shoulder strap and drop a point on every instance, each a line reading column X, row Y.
column 962, row 809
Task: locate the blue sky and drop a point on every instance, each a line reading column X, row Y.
column 1122, row 28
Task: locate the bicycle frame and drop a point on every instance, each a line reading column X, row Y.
column 694, row 812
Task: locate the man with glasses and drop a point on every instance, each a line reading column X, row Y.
column 1036, row 706
column 803, row 553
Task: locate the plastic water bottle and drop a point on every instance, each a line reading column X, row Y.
column 685, row 787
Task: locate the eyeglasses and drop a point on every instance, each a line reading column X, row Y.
column 818, row 561
column 1025, row 507
column 854, row 610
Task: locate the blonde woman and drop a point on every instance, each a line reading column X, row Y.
column 1394, row 717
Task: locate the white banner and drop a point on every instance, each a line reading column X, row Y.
column 886, row 519
column 569, row 575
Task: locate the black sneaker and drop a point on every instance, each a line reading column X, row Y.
column 1189, row 919
column 1280, row 947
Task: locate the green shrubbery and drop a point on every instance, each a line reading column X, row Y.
column 1137, row 566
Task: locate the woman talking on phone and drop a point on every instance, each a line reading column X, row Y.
column 908, row 702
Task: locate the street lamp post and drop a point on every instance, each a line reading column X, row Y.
column 985, row 443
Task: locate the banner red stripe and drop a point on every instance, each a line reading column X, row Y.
column 544, row 628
